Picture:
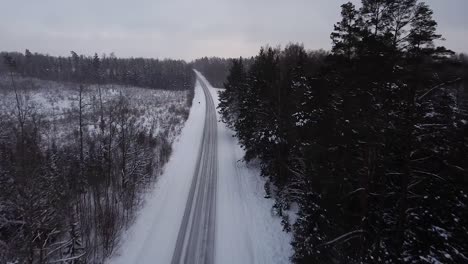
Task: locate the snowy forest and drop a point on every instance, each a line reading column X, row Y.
column 367, row 143
column 214, row 69
column 149, row 73
column 81, row 139
column 352, row 153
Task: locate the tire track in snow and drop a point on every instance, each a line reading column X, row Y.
column 195, row 241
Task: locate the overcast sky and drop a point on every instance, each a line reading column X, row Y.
column 187, row 29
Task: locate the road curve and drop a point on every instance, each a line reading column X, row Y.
column 195, row 241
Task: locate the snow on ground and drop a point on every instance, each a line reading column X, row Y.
column 163, row 111
column 246, row 231
column 154, row 234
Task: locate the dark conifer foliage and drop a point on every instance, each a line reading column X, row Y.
column 229, row 100
column 214, row 69
column 149, row 73
column 370, row 141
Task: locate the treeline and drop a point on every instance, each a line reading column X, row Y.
column 148, row 73
column 214, row 69
column 70, row 182
column 370, row 141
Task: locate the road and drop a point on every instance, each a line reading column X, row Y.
column 196, row 239
column 195, row 214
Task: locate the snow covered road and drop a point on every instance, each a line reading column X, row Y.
column 208, row 206
column 195, row 242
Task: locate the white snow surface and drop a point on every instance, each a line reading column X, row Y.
column 152, row 237
column 246, row 229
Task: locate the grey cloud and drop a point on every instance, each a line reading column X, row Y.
column 186, row 29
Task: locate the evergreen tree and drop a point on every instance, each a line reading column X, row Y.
column 229, row 98
column 346, row 35
column 370, row 147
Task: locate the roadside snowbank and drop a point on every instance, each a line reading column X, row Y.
column 246, row 231
column 152, row 237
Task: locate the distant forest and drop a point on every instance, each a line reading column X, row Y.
column 80, row 143
column 214, row 69
column 369, row 143
column 149, row 73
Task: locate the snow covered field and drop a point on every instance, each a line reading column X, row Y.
column 106, row 154
column 246, row 230
column 56, row 103
column 154, row 234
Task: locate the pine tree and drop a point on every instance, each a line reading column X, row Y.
column 96, row 68
column 423, row 31
column 346, row 32
column 376, row 16
column 229, row 98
